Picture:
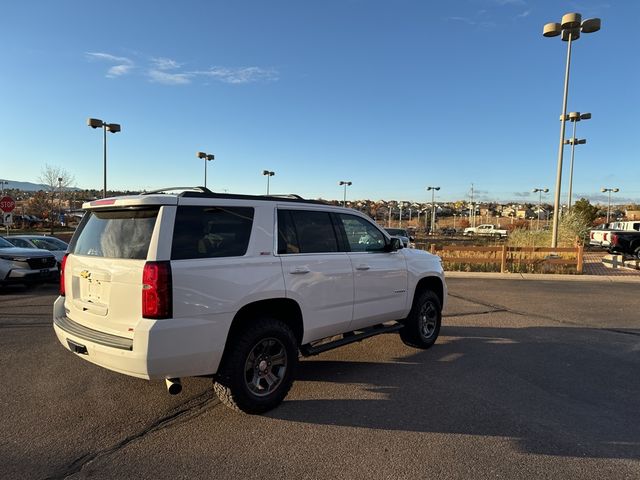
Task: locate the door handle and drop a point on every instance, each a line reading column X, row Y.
column 299, row 270
column 363, row 267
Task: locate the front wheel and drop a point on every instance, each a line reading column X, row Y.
column 637, row 253
column 258, row 367
column 422, row 325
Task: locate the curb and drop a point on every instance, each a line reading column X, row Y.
column 542, row 277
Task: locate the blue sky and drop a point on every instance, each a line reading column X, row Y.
column 393, row 96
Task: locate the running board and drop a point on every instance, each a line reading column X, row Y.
column 349, row 337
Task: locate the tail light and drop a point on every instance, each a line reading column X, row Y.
column 614, row 239
column 62, row 265
column 157, row 291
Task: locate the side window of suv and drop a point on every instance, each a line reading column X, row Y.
column 210, row 232
column 306, row 231
column 362, row 235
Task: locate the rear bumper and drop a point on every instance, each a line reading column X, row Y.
column 158, row 349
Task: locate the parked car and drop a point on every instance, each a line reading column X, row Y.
column 402, row 234
column 56, row 246
column 182, row 283
column 447, row 231
column 25, row 265
column 486, row 230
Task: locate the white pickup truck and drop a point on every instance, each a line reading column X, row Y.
column 487, row 230
column 601, row 235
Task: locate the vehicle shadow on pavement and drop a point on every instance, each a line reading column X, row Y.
column 554, row 391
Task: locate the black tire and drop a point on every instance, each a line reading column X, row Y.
column 637, row 253
column 422, row 326
column 258, row 367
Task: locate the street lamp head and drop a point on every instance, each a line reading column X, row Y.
column 95, row 123
column 341, row 182
column 201, row 155
column 603, row 190
column 581, row 141
column 552, row 29
column 210, row 157
column 591, row 25
column 268, row 173
column 574, row 116
column 545, row 190
column 585, row 116
column 615, row 190
column 113, row 127
column 574, row 33
column 571, row 20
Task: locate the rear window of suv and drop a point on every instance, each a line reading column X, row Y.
column 122, row 233
column 211, row 232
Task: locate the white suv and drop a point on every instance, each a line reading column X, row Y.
column 188, row 282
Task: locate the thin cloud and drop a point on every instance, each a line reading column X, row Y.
column 524, row 14
column 466, row 20
column 522, row 194
column 481, row 19
column 162, row 63
column 168, row 71
column 166, row 78
column 510, row 2
column 241, row 75
column 123, row 65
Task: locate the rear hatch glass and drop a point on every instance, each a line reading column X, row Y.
column 103, row 274
column 123, row 233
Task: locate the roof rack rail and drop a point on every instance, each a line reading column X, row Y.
column 287, row 195
column 179, row 190
column 206, row 193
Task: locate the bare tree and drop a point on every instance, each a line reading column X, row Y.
column 56, row 179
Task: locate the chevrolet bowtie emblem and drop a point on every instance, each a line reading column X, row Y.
column 85, row 274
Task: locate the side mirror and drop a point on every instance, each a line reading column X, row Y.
column 394, row 245
column 412, row 239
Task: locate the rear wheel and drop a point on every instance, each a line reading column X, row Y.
column 422, row 326
column 637, row 253
column 258, row 368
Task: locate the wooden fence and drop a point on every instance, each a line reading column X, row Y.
column 504, row 255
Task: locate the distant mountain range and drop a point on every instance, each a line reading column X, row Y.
column 30, row 187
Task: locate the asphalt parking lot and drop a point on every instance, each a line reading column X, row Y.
column 535, row 379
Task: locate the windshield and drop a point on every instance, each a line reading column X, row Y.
column 5, row 244
column 51, row 244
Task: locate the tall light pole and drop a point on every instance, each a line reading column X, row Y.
column 574, row 117
column 2, row 184
column 268, row 174
column 614, row 190
column 569, row 29
column 541, row 191
column 346, row 184
column 433, row 208
column 106, row 127
column 207, row 157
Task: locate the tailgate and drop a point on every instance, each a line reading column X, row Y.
column 104, row 294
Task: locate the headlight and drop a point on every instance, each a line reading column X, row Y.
column 13, row 259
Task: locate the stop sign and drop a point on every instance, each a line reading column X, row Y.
column 7, row 204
